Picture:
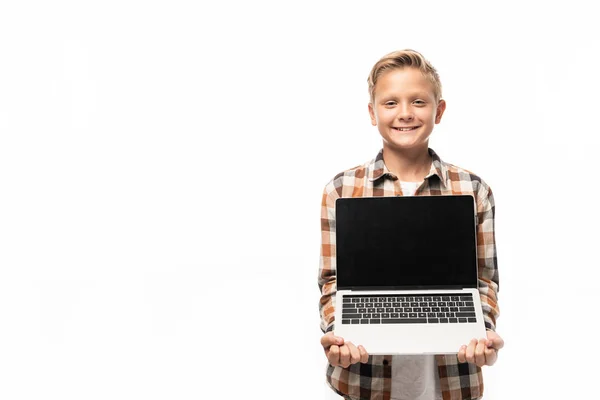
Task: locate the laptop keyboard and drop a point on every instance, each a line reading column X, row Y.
column 407, row 309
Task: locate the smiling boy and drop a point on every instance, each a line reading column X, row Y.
column 405, row 104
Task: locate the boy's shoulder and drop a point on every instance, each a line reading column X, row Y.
column 351, row 177
column 455, row 173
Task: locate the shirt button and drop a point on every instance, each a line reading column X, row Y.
column 385, row 362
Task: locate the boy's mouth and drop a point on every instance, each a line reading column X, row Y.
column 405, row 129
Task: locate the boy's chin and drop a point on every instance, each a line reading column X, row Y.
column 404, row 146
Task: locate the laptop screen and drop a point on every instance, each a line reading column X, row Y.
column 412, row 242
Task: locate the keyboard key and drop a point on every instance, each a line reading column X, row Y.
column 367, row 316
column 345, row 321
column 467, row 309
column 395, row 315
column 376, row 315
column 445, row 298
column 472, row 319
column 350, row 315
column 375, row 321
column 462, row 320
column 385, row 315
column 433, row 320
column 364, row 321
column 356, row 321
column 412, row 315
column 422, row 315
column 444, row 320
column 404, row 321
column 453, row 320
column 465, row 314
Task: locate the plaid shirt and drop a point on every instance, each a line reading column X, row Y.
column 373, row 379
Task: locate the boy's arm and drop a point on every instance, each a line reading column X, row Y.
column 486, row 258
column 327, row 281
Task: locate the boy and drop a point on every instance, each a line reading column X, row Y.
column 405, row 104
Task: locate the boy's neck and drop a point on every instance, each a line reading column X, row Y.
column 408, row 165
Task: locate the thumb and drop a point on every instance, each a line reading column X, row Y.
column 330, row 339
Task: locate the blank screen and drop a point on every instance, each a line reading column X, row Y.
column 406, row 242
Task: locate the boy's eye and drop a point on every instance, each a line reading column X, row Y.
column 390, row 103
column 419, row 102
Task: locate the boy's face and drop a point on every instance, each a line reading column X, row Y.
column 404, row 109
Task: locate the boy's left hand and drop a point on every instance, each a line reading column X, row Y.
column 482, row 352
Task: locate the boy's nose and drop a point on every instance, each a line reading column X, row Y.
column 405, row 116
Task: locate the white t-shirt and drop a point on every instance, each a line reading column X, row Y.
column 415, row 377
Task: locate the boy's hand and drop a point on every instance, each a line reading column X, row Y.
column 342, row 354
column 482, row 352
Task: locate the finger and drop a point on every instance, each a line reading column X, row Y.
column 333, row 355
column 354, row 353
column 495, row 340
column 479, row 352
column 491, row 356
column 330, row 339
column 462, row 358
column 344, row 356
column 364, row 356
column 470, row 353
column 497, row 343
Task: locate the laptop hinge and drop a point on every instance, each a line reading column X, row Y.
column 429, row 287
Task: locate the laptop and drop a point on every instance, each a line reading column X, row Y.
column 407, row 274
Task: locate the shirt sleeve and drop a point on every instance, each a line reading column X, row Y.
column 327, row 276
column 486, row 258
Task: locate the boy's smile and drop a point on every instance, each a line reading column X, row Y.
column 404, row 109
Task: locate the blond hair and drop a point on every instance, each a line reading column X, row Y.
column 401, row 59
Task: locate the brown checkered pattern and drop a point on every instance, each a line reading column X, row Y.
column 373, row 380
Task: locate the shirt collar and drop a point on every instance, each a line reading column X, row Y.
column 379, row 169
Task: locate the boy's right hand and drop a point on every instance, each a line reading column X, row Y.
column 342, row 354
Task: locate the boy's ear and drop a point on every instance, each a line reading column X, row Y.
column 441, row 107
column 372, row 114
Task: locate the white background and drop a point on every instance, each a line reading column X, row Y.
column 161, row 171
